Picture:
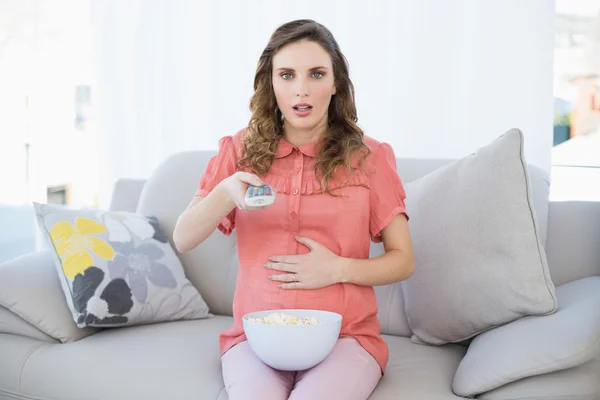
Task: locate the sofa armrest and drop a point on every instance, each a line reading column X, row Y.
column 573, row 242
column 535, row 345
column 30, row 288
column 14, row 325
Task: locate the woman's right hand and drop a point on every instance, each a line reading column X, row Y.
column 236, row 186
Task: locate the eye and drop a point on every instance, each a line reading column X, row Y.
column 286, row 76
column 317, row 75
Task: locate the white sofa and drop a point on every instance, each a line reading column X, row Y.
column 180, row 360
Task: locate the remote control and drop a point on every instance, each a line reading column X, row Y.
column 259, row 196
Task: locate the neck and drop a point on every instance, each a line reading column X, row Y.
column 299, row 137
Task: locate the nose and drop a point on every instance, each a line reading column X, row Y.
column 302, row 87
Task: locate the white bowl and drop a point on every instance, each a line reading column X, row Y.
column 293, row 347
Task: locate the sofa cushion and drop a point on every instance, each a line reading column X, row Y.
column 390, row 299
column 411, row 169
column 181, row 360
column 573, row 237
column 390, row 303
column 30, row 288
column 535, row 345
column 578, row 383
column 479, row 259
column 174, row 360
column 418, row 372
column 117, row 268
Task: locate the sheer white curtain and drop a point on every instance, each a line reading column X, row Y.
column 434, row 78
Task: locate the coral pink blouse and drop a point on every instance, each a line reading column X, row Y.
column 344, row 224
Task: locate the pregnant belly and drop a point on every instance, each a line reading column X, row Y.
column 255, row 292
column 330, row 298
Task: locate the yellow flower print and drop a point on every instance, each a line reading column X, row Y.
column 74, row 244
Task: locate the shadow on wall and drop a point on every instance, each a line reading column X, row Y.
column 17, row 231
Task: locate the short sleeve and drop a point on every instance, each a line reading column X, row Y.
column 219, row 167
column 387, row 193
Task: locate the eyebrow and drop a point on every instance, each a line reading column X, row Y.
column 292, row 69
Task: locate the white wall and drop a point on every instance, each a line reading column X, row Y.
column 44, row 53
column 434, row 78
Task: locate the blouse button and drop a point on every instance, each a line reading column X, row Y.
column 295, row 191
column 297, row 169
column 298, row 151
column 293, row 215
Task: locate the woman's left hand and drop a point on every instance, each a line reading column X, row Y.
column 314, row 270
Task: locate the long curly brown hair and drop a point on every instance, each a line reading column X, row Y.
column 343, row 139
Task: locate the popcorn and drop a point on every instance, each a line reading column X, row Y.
column 284, row 319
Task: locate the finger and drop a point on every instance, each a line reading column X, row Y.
column 250, row 179
column 287, row 278
column 282, row 267
column 285, row 259
column 308, row 242
column 291, row 285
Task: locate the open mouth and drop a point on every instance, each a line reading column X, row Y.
column 302, row 107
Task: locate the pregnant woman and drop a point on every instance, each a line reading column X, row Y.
column 336, row 190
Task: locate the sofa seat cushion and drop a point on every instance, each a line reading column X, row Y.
column 418, row 371
column 181, row 360
column 174, row 360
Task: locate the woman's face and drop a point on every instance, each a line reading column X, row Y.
column 303, row 83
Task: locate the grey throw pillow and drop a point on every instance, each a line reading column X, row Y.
column 535, row 345
column 117, row 268
column 479, row 260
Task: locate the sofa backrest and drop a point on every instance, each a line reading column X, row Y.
column 212, row 266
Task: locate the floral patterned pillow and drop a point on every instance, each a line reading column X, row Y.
column 117, row 268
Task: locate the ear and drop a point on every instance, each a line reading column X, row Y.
column 334, row 91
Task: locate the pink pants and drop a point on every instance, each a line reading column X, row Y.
column 349, row 372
